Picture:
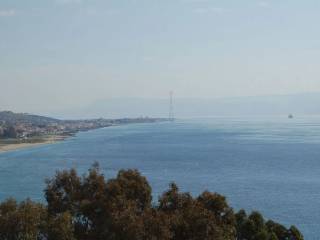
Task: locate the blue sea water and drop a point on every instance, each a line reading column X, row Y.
column 268, row 164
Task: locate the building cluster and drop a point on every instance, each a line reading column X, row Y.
column 32, row 127
column 27, row 130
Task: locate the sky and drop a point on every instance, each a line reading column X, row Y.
column 63, row 54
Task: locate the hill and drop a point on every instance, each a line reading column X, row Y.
column 297, row 104
column 15, row 118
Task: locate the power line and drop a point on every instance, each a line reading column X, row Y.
column 171, row 114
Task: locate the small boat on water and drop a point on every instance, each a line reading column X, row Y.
column 290, row 116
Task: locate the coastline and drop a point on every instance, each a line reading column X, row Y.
column 8, row 146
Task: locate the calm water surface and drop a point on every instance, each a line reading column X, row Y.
column 269, row 164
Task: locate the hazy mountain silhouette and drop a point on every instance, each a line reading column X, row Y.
column 296, row 104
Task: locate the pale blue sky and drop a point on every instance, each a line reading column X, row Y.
column 57, row 54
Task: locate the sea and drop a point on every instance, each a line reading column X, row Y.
column 269, row 164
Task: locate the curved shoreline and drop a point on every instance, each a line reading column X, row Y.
column 8, row 147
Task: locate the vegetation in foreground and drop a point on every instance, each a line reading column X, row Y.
column 90, row 207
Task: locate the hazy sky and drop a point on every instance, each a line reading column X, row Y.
column 57, row 54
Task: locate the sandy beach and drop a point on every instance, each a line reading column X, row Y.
column 6, row 146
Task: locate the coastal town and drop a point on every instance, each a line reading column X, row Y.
column 24, row 126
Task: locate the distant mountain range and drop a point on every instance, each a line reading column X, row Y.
column 296, row 104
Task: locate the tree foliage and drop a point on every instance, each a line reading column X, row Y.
column 91, row 207
column 254, row 227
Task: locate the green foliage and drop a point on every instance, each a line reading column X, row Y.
column 91, row 207
column 295, row 234
column 21, row 221
column 60, row 227
column 254, row 227
column 206, row 217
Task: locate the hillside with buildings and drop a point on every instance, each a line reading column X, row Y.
column 24, row 126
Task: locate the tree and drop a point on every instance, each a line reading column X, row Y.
column 203, row 218
column 21, row 221
column 100, row 209
column 254, row 227
column 59, row 227
column 10, row 132
column 83, row 198
column 130, row 186
column 295, row 234
column 223, row 214
column 91, row 207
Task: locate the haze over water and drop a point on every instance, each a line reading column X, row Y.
column 268, row 164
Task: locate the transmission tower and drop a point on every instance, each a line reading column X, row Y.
column 171, row 114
